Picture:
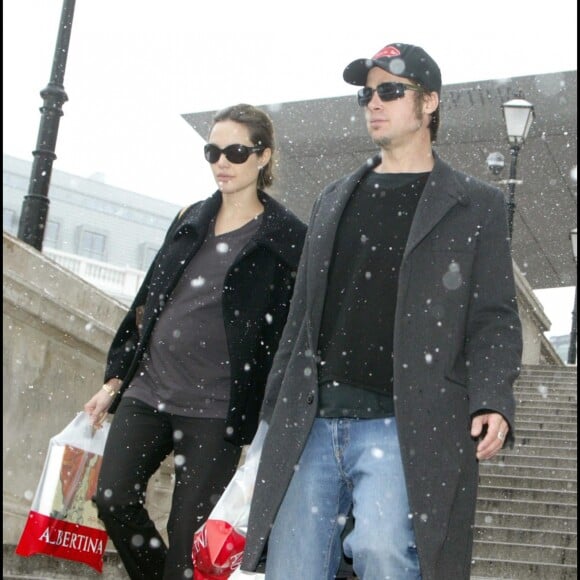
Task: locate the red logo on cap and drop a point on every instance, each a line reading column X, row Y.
column 389, row 51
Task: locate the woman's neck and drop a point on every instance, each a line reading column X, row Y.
column 236, row 212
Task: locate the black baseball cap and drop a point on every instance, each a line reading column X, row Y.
column 402, row 60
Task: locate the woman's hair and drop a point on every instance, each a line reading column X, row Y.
column 261, row 132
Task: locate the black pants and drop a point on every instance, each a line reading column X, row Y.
column 140, row 438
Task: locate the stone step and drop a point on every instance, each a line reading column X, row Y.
column 539, row 440
column 524, row 536
column 546, row 387
column 530, row 507
column 43, row 567
column 548, row 408
column 526, row 521
column 559, row 404
column 566, row 400
column 508, row 457
column 564, row 434
column 535, row 426
column 526, row 494
column 567, row 383
column 545, row 403
column 554, row 398
column 541, row 417
column 527, row 552
column 553, row 377
column 539, row 414
column 550, row 411
column 569, row 386
column 557, row 377
column 550, row 370
column 523, row 482
column 545, row 420
column 497, row 569
column 544, row 450
column 539, row 472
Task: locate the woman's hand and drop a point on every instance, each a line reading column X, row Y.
column 96, row 408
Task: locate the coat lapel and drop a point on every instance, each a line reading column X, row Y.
column 440, row 195
column 328, row 214
column 188, row 235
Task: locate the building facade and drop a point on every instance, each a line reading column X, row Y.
column 105, row 234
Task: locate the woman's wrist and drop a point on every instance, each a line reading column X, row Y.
column 109, row 390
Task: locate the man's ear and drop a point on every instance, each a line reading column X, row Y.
column 431, row 102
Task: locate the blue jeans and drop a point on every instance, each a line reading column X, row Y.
column 347, row 463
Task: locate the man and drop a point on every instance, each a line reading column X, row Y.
column 394, row 373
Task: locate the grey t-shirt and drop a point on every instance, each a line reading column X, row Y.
column 186, row 368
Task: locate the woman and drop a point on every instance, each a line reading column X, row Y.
column 187, row 368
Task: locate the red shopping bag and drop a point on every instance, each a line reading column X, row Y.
column 63, row 521
column 218, row 545
column 217, row 550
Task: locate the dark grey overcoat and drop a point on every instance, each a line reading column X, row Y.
column 457, row 351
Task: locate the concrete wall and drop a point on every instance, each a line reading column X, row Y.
column 537, row 348
column 57, row 330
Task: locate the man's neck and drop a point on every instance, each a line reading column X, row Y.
column 406, row 159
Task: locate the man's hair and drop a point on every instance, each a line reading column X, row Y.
column 261, row 131
column 435, row 115
column 434, row 125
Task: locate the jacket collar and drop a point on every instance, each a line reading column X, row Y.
column 280, row 231
column 444, row 189
column 442, row 192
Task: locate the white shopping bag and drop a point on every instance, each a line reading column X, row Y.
column 241, row 575
column 218, row 545
column 63, row 520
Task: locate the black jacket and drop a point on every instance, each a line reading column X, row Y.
column 256, row 298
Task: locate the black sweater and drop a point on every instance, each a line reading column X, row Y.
column 356, row 337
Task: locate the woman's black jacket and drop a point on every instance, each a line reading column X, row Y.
column 255, row 302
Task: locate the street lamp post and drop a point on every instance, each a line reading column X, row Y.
column 35, row 204
column 573, row 332
column 518, row 115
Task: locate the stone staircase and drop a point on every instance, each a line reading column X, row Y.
column 526, row 526
column 526, row 511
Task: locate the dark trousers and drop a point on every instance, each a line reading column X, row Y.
column 140, row 438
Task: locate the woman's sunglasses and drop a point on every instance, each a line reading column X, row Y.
column 386, row 92
column 233, row 153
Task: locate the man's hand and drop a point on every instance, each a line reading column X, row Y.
column 495, row 435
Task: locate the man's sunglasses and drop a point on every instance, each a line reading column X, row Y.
column 386, row 92
column 233, row 153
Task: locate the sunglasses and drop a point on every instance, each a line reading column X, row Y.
column 233, row 153
column 386, row 92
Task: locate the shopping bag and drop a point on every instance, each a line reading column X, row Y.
column 63, row 520
column 218, row 545
column 241, row 575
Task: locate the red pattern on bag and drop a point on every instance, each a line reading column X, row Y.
column 46, row 535
column 217, row 551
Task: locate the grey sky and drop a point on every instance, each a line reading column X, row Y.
column 135, row 66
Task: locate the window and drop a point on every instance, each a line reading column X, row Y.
column 148, row 252
column 9, row 221
column 92, row 245
column 51, row 233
